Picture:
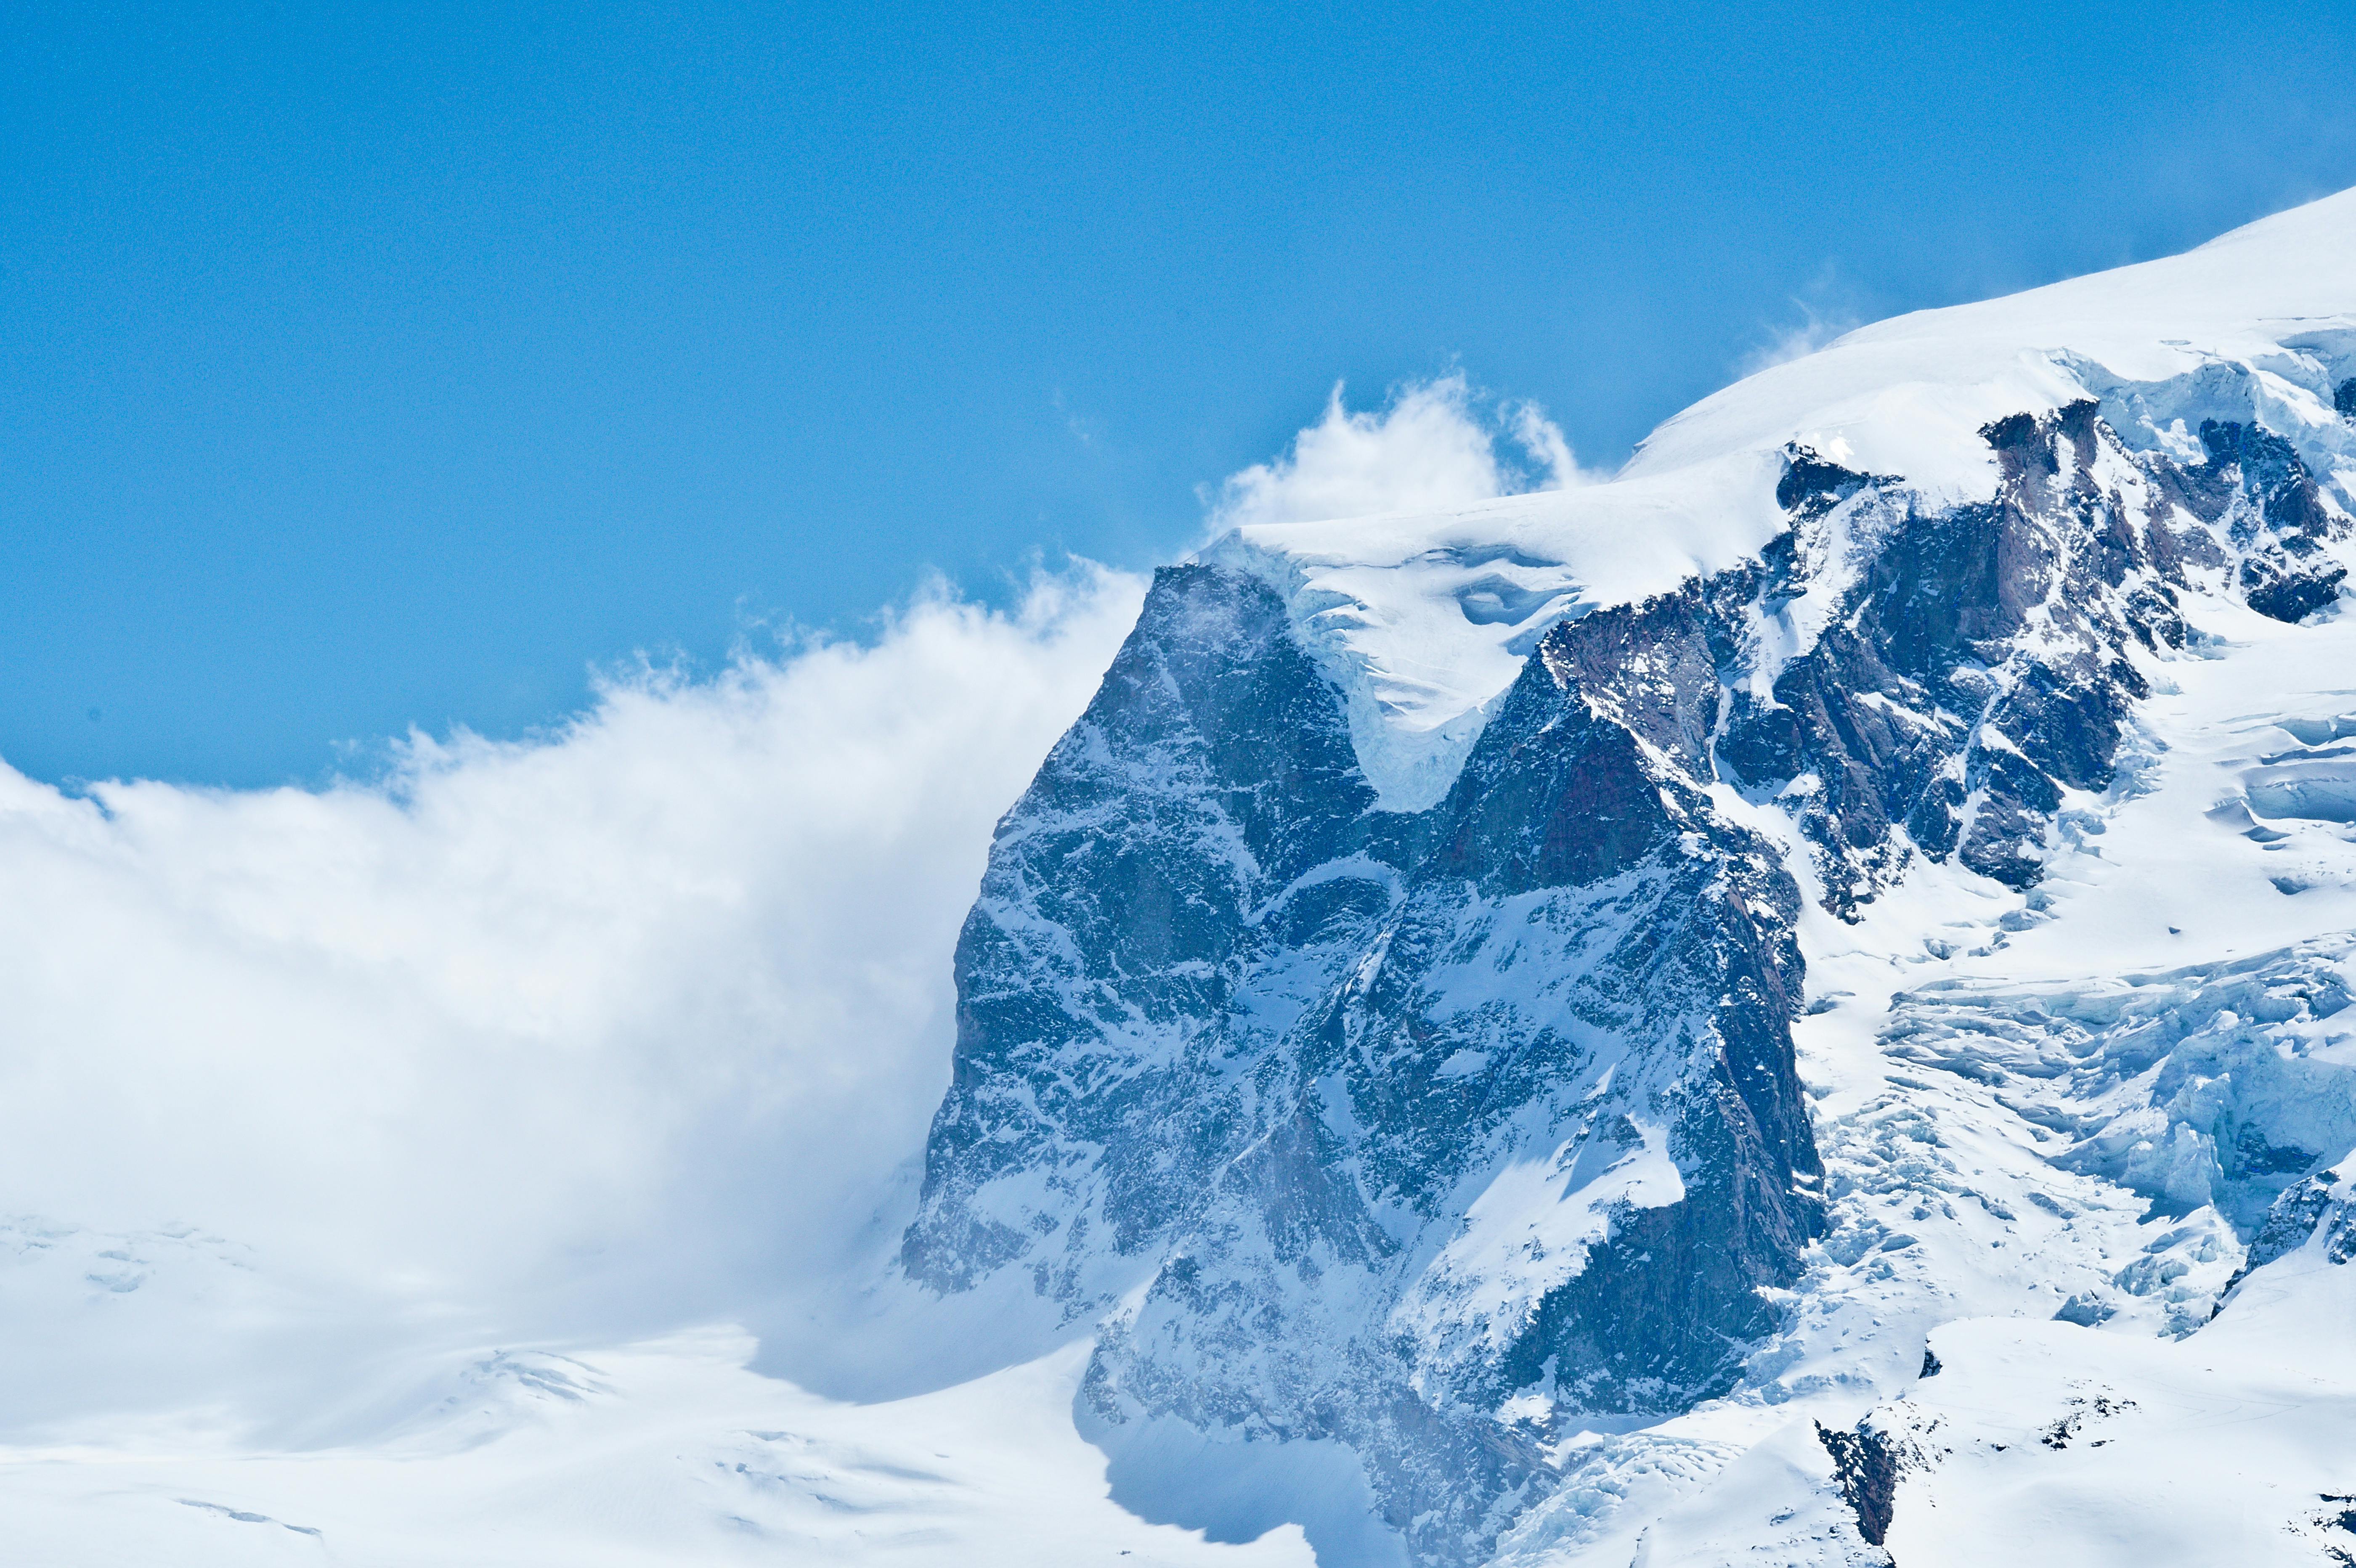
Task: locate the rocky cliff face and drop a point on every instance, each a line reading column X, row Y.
column 1448, row 1133
column 1425, row 1132
column 1972, row 671
column 1230, row 1031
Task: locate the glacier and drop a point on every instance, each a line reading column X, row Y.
column 1788, row 1007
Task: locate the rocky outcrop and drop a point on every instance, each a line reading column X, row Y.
column 1866, row 1466
column 1423, row 1131
column 1966, row 671
column 1229, row 1032
column 2320, row 1205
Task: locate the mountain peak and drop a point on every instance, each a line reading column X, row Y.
column 1422, row 619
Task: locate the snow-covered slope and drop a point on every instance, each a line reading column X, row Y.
column 667, row 1452
column 1422, row 619
column 1791, row 1007
column 1567, row 999
column 2054, row 1129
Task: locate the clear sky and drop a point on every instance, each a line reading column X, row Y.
column 371, row 366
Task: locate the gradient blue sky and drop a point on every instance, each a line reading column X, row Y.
column 374, row 366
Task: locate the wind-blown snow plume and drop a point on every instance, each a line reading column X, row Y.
column 1797, row 340
column 1434, row 446
column 502, row 1039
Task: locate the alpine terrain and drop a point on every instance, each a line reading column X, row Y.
column 1790, row 1007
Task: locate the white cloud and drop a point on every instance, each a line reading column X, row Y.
column 1436, row 445
column 631, row 1023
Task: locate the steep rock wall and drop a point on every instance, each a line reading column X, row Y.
column 1425, row 1132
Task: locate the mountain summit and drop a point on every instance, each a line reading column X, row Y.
column 1791, row 1002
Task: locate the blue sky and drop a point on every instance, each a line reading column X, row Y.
column 372, row 366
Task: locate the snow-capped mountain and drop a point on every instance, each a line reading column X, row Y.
column 1765, row 1010
column 1790, row 1007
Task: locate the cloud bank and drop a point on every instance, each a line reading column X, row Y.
column 1436, row 444
column 636, row 1024
column 629, row 1024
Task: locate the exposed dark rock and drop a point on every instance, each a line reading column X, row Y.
column 1923, row 716
column 1236, row 1046
column 1208, row 1007
column 1866, row 1466
column 2059, row 1435
column 2298, row 1214
column 2290, row 1220
column 2256, row 485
